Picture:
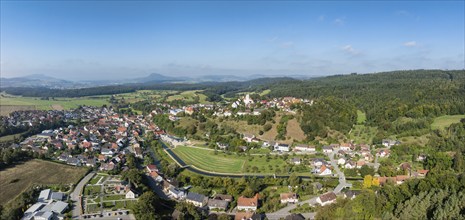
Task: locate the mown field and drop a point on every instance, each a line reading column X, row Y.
column 207, row 160
column 16, row 179
column 445, row 121
column 15, row 103
column 188, row 96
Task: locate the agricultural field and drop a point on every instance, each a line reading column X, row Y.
column 9, row 104
column 207, row 160
column 445, row 121
column 142, row 95
column 188, row 96
column 16, row 179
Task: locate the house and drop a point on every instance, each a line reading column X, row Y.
column 422, row 173
column 73, row 161
column 350, row 165
column 360, row 163
column 327, row 149
column 389, row 143
column 383, row 153
column 217, row 204
column 345, row 147
column 250, row 204
column 351, row 194
column 222, row 146
column 175, row 193
column 152, row 168
column 341, row 161
column 248, row 137
column 294, row 217
column 223, row 197
column 281, row 147
column 326, row 198
column 296, row 161
column 317, row 162
column 421, row 157
column 247, row 216
column 196, row 199
column 288, row 198
column 395, row 180
column 305, row 148
column 131, row 194
column 323, row 171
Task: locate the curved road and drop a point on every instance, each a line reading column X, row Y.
column 76, row 195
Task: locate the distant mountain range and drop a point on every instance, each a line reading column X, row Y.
column 40, row 80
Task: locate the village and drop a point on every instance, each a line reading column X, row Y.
column 104, row 139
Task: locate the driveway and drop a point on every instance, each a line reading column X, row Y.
column 76, row 195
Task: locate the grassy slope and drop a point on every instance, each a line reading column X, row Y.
column 16, row 179
column 207, row 160
column 445, row 121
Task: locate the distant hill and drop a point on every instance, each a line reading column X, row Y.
column 37, row 80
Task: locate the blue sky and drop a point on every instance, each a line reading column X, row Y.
column 82, row 40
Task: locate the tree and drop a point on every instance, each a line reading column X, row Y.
column 366, row 170
column 145, row 208
column 459, row 165
column 294, row 180
column 367, row 181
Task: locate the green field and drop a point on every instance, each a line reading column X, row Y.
column 12, row 103
column 207, row 160
column 188, row 96
column 362, row 134
column 445, row 121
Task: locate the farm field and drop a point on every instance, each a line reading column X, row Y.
column 207, row 160
column 188, row 96
column 16, row 179
column 445, row 121
column 14, row 103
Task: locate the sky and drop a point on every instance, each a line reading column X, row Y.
column 84, row 40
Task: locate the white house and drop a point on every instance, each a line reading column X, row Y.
column 249, row 137
column 345, row 147
column 350, row 165
column 281, row 147
column 324, row 171
column 326, row 198
column 131, row 194
column 341, row 161
column 247, row 204
column 288, row 198
column 305, row 148
column 327, row 149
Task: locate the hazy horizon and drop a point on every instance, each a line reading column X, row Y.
column 121, row 40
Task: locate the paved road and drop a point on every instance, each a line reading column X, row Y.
column 312, row 201
column 342, row 179
column 76, row 195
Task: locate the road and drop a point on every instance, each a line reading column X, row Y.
column 312, row 201
column 342, row 179
column 76, row 195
